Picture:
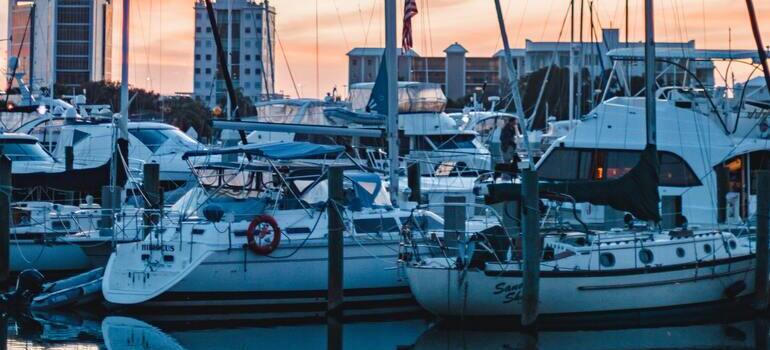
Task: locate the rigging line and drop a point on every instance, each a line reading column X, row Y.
column 369, row 25
column 342, row 26
column 430, row 27
column 547, row 19
column 288, row 66
column 317, row 65
column 507, row 10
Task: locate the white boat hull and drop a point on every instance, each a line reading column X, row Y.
column 451, row 292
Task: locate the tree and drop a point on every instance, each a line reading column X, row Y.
column 108, row 92
column 185, row 112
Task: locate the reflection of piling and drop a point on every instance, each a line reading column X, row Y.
column 763, row 210
column 151, row 189
column 5, row 219
column 530, row 247
column 334, row 213
column 454, row 221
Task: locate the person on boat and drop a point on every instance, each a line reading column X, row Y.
column 508, row 140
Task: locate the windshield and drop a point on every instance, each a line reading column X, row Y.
column 31, row 151
column 445, row 142
column 154, row 138
column 369, row 194
column 277, row 113
column 412, row 97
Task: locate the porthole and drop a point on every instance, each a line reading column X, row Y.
column 645, row 256
column 680, row 252
column 733, row 245
column 607, row 259
column 707, row 248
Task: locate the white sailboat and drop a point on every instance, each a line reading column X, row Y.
column 583, row 271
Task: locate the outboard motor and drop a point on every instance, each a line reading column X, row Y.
column 28, row 285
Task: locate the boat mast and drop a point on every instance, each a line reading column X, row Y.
column 572, row 64
column 122, row 122
column 649, row 72
column 761, row 50
column 391, row 65
column 514, row 81
column 229, row 52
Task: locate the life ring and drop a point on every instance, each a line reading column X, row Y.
column 263, row 224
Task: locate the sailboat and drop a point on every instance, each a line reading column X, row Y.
column 584, row 271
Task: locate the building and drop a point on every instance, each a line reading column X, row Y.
column 461, row 75
column 252, row 35
column 61, row 42
column 457, row 74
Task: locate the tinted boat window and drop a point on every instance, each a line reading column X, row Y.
column 25, row 152
column 152, row 138
column 574, row 164
column 452, row 141
column 376, row 225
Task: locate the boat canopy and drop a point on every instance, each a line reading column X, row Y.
column 637, row 53
column 413, row 97
column 274, row 151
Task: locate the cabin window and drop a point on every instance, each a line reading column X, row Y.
column 607, row 259
column 733, row 245
column 565, row 164
column 31, row 151
column 377, row 225
column 444, row 142
column 645, row 256
column 680, row 252
column 152, row 138
column 707, row 248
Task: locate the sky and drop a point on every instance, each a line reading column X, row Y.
column 162, row 33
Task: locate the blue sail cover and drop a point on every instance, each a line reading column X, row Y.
column 274, row 151
column 378, row 101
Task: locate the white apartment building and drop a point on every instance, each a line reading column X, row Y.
column 252, row 34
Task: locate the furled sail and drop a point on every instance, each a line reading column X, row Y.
column 378, row 100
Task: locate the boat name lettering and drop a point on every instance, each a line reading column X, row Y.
column 510, row 292
column 164, row 247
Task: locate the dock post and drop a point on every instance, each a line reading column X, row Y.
column 454, row 221
column 336, row 227
column 530, row 248
column 763, row 242
column 6, row 195
column 414, row 178
column 151, row 189
column 69, row 158
column 110, row 205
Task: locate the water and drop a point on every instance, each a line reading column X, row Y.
column 87, row 331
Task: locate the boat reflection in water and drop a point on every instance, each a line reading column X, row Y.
column 83, row 331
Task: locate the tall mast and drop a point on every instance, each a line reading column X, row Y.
column 649, row 71
column 514, row 81
column 572, row 64
column 229, row 52
column 391, row 65
column 761, row 50
column 124, row 101
column 579, row 87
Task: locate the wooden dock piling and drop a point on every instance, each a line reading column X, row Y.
column 6, row 196
column 335, row 237
column 530, row 248
column 763, row 241
column 414, row 178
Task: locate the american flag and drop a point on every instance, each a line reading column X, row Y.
column 410, row 10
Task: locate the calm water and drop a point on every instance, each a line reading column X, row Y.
column 83, row 331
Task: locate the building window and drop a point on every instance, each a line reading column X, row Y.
column 197, row 43
column 208, row 57
column 208, row 29
column 368, row 61
column 247, row 43
column 197, row 29
column 257, row 71
column 197, row 85
column 247, row 30
column 247, row 57
column 257, row 57
column 208, row 70
column 247, row 16
column 208, row 43
column 197, row 71
column 208, row 84
column 247, row 71
column 354, row 62
column 197, row 57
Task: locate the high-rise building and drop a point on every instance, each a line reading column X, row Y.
column 251, row 35
column 62, row 42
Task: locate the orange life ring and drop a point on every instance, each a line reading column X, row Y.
column 263, row 224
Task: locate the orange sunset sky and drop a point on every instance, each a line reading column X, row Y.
column 162, row 32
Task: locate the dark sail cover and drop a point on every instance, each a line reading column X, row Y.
column 635, row 192
column 378, row 100
column 84, row 181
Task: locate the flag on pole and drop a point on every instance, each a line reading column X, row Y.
column 410, row 10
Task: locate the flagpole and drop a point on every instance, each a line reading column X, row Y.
column 391, row 65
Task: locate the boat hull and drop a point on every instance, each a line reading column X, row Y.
column 454, row 293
